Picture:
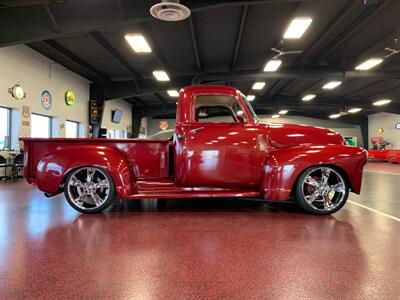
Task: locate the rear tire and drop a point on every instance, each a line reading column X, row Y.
column 321, row 190
column 89, row 189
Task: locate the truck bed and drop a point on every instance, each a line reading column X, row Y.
column 151, row 155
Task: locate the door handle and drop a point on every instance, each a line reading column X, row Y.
column 196, row 129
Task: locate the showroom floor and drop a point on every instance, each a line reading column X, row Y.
column 201, row 249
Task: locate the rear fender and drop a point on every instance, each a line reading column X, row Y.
column 283, row 166
column 53, row 168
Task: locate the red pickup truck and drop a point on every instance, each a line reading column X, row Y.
column 219, row 149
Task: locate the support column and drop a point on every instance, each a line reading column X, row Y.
column 136, row 120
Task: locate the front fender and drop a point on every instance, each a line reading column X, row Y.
column 54, row 166
column 283, row 166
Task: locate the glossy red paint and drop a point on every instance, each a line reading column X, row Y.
column 223, row 159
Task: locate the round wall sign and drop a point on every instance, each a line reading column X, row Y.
column 46, row 100
column 69, row 98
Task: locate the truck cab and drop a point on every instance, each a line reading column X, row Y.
column 219, row 149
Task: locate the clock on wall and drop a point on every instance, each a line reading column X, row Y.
column 17, row 92
column 397, row 126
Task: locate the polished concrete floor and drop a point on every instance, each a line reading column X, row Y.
column 202, row 248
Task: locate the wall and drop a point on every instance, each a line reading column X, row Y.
column 36, row 73
column 387, row 121
column 342, row 128
column 126, row 120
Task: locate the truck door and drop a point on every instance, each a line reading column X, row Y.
column 221, row 147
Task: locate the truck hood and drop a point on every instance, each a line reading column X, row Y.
column 287, row 135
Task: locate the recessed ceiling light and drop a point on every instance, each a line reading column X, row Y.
column 275, row 116
column 161, row 75
column 272, row 65
column 354, row 110
column 250, row 97
column 138, row 43
column 382, row 102
column 258, row 85
column 368, row 64
column 297, row 28
column 331, row 85
column 173, row 93
column 334, row 116
column 308, row 97
column 283, row 112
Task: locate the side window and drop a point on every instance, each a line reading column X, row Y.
column 217, row 109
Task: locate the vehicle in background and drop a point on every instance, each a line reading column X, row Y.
column 219, row 149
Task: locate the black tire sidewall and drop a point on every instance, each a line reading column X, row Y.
column 111, row 195
column 302, row 202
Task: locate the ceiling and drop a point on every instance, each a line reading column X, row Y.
column 223, row 42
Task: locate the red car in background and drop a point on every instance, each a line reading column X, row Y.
column 393, row 156
column 219, row 149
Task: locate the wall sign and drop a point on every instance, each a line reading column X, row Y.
column 46, row 100
column 69, row 98
column 17, row 92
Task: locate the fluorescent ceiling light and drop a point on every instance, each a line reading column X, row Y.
column 173, row 93
column 138, row 43
column 308, row 97
column 258, row 85
column 275, row 116
column 354, row 110
column 334, row 116
column 161, row 75
column 331, row 85
column 297, row 28
column 250, row 97
column 283, row 112
column 272, row 65
column 382, row 102
column 368, row 64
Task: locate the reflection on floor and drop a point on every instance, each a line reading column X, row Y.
column 200, row 248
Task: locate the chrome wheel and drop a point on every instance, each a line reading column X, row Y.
column 88, row 188
column 323, row 189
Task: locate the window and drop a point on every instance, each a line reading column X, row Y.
column 71, row 129
column 40, row 126
column 5, row 127
column 215, row 109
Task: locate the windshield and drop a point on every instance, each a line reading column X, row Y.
column 249, row 106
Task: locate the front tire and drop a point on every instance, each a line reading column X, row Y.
column 321, row 190
column 89, row 189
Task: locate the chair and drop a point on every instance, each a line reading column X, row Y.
column 3, row 164
column 17, row 165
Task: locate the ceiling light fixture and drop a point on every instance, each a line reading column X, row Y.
column 258, row 85
column 173, row 93
column 334, row 116
column 138, row 43
column 275, row 116
column 308, row 97
column 368, row 64
column 354, row 110
column 161, row 75
column 331, row 85
column 250, row 97
column 272, row 65
column 283, row 112
column 297, row 28
column 382, row 102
